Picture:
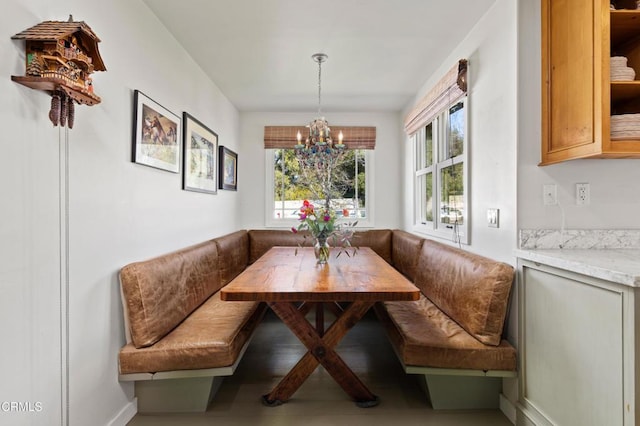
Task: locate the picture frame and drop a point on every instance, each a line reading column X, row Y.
column 157, row 134
column 200, row 151
column 228, row 169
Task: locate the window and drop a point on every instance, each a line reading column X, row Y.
column 441, row 175
column 284, row 191
column 285, row 194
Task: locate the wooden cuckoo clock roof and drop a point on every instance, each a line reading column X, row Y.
column 56, row 30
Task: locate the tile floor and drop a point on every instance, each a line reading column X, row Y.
column 320, row 401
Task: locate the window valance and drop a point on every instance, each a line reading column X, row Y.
column 450, row 88
column 363, row 137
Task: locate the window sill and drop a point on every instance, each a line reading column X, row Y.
column 444, row 234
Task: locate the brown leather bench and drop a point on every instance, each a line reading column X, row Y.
column 451, row 337
column 182, row 339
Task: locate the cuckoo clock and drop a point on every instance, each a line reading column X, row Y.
column 60, row 58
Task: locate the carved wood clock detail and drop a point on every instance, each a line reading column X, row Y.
column 59, row 59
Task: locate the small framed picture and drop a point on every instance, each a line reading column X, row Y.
column 156, row 134
column 228, row 170
column 200, row 151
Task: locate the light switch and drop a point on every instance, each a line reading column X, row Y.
column 493, row 218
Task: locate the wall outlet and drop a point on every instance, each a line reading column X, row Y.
column 583, row 194
column 550, row 194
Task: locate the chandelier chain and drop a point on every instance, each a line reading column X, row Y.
column 319, row 87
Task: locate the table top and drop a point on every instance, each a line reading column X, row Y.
column 281, row 275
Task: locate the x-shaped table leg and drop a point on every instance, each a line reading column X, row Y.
column 321, row 351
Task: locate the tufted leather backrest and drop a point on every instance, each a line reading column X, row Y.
column 161, row 292
column 471, row 289
column 233, row 251
column 405, row 248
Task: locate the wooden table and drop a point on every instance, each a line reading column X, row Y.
column 283, row 280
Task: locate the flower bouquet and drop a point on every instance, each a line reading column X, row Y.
column 324, row 226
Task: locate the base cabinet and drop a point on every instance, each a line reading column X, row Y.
column 578, row 345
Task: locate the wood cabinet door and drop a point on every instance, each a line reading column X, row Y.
column 571, row 79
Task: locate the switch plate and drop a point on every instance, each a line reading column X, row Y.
column 550, row 194
column 583, row 194
column 493, row 218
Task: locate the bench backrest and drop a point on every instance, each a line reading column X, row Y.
column 471, row 289
column 405, row 248
column 261, row 240
column 159, row 293
column 233, row 252
column 379, row 240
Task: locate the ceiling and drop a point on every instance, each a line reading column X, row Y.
column 258, row 52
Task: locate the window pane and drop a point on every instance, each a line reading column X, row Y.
column 361, row 185
column 428, row 145
column 278, row 184
column 353, row 168
column 290, row 190
column 429, row 196
column 419, row 150
column 456, row 129
column 452, row 194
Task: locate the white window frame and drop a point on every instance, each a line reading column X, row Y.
column 271, row 222
column 457, row 233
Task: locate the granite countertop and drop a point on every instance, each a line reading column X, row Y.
column 620, row 266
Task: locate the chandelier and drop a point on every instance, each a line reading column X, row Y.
column 319, row 140
column 319, row 157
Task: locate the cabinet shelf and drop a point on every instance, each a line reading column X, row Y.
column 625, row 26
column 622, row 91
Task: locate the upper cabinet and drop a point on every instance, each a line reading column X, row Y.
column 590, row 80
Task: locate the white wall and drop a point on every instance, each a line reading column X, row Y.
column 615, row 193
column 119, row 212
column 386, row 194
column 490, row 48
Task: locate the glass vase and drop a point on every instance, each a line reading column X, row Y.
column 321, row 250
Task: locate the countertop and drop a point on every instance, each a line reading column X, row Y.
column 620, row 266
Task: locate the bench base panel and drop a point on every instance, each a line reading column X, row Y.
column 461, row 392
column 192, row 394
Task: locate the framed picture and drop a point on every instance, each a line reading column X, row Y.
column 156, row 134
column 228, row 169
column 200, row 150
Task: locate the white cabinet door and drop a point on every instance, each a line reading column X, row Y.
column 573, row 337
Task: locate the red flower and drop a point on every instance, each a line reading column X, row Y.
column 327, row 218
column 345, row 212
column 294, row 230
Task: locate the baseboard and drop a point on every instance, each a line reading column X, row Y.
column 508, row 409
column 126, row 414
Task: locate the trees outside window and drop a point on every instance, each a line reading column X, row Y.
column 288, row 189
